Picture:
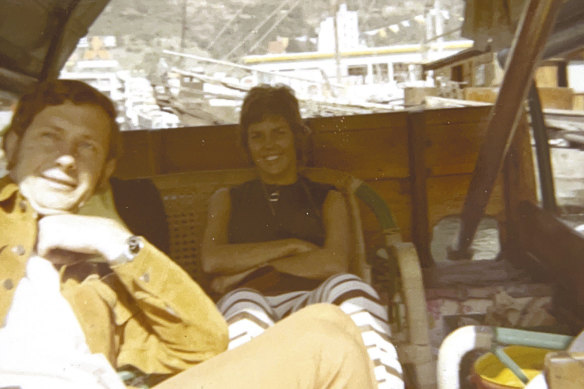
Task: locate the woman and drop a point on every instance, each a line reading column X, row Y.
column 280, row 242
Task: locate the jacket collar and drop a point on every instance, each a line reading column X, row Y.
column 8, row 189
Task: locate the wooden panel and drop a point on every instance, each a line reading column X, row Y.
column 453, row 148
column 557, row 98
column 551, row 97
column 202, row 148
column 578, row 102
column 358, row 122
column 484, row 94
column 558, row 248
column 453, row 139
column 443, row 116
column 547, row 76
column 376, row 150
column 565, row 369
column 368, row 146
column 446, row 196
column 367, row 154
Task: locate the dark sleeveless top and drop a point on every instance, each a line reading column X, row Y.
column 296, row 214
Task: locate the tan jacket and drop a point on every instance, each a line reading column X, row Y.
column 147, row 313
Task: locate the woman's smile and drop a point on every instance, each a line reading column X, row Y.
column 272, row 148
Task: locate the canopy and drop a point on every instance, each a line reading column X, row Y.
column 38, row 36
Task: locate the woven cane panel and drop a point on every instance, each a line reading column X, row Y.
column 186, row 213
column 182, row 224
column 185, row 197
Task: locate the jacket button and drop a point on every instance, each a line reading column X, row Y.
column 8, row 284
column 18, row 250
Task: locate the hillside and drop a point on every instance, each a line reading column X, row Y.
column 229, row 29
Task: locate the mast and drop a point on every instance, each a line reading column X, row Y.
column 335, row 9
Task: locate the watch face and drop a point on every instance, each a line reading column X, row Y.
column 134, row 245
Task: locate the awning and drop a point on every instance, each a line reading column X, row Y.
column 38, row 36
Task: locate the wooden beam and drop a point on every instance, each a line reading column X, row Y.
column 534, row 28
column 519, row 185
column 418, row 173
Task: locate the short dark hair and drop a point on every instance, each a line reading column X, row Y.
column 265, row 100
column 57, row 92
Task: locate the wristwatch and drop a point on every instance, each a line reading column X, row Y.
column 132, row 247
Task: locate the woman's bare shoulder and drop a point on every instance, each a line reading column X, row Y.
column 220, row 198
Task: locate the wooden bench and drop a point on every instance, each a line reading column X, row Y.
column 185, row 197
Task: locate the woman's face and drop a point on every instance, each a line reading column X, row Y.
column 272, row 149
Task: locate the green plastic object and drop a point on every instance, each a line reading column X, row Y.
column 387, row 223
column 525, row 338
column 531, row 338
column 377, row 205
column 510, row 364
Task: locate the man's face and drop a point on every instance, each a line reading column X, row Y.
column 61, row 157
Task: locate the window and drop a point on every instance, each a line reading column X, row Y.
column 380, row 72
column 457, row 73
column 358, row 73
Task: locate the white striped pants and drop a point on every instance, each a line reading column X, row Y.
column 249, row 314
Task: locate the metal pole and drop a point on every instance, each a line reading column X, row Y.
column 532, row 32
column 183, row 31
column 248, row 68
column 439, row 25
column 335, row 10
column 429, row 17
column 546, row 179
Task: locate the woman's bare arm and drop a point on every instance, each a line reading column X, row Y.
column 221, row 257
column 333, row 257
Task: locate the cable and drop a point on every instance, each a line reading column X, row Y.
column 255, row 30
column 273, row 26
column 225, row 27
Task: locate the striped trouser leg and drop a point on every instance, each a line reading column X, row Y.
column 247, row 313
column 361, row 302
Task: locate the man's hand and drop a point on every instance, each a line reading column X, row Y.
column 63, row 237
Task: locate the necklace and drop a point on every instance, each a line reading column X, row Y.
column 272, row 197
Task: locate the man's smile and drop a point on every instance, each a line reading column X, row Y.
column 58, row 179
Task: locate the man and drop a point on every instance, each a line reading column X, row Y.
column 81, row 296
